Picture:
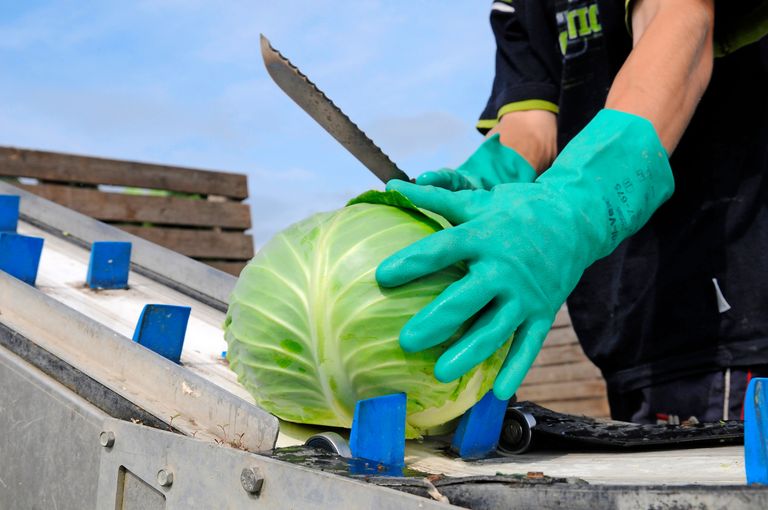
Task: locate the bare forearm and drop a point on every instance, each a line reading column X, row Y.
column 533, row 134
column 669, row 67
column 662, row 80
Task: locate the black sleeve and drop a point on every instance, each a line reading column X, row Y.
column 528, row 61
column 738, row 24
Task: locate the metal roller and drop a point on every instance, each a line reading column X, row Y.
column 330, row 442
column 516, row 432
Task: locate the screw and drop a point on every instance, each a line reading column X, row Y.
column 164, row 478
column 252, row 480
column 107, row 439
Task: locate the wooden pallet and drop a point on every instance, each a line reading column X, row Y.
column 195, row 212
column 562, row 378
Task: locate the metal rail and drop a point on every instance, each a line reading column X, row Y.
column 166, row 390
column 60, row 451
column 186, row 275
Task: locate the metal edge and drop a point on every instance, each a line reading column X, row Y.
column 75, row 380
column 168, row 267
column 503, row 492
column 174, row 395
column 59, row 451
column 207, row 476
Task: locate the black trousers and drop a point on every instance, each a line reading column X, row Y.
column 709, row 397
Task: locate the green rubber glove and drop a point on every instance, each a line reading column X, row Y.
column 491, row 164
column 527, row 245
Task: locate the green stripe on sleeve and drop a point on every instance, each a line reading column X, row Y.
column 487, row 123
column 518, row 106
column 750, row 28
column 528, row 104
column 628, row 16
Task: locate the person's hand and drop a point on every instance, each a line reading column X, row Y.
column 526, row 245
column 491, row 164
column 521, row 145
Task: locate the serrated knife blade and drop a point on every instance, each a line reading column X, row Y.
column 313, row 101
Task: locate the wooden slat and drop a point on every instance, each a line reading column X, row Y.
column 561, row 336
column 139, row 208
column 559, row 354
column 197, row 243
column 594, row 407
column 563, row 390
column 578, row 371
column 562, row 318
column 233, row 268
column 89, row 170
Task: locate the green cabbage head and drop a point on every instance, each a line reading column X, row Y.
column 310, row 332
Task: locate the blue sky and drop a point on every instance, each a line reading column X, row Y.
column 181, row 82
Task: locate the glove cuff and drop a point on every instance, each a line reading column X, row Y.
column 494, row 163
column 619, row 173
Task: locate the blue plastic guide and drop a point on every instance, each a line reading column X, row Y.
column 9, row 213
column 756, row 431
column 20, row 256
column 378, row 434
column 479, row 429
column 161, row 328
column 109, row 265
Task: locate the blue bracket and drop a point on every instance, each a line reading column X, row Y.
column 109, row 265
column 161, row 328
column 479, row 429
column 378, row 432
column 756, row 431
column 20, row 256
column 9, row 213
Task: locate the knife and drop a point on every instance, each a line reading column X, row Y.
column 313, row 101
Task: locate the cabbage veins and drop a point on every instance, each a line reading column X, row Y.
column 310, row 332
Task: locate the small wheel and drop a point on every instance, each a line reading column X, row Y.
column 330, row 442
column 516, row 433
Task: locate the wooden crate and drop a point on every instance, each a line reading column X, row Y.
column 195, row 212
column 562, row 378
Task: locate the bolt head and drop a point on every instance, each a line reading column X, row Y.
column 164, row 478
column 252, row 480
column 107, row 439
